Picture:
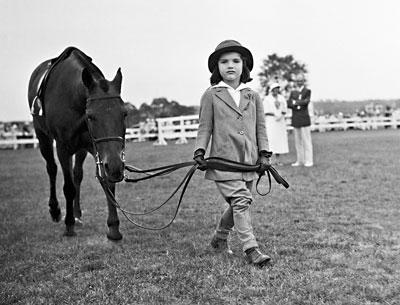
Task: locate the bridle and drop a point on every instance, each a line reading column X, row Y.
column 95, row 141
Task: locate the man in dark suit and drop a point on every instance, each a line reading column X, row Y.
column 299, row 101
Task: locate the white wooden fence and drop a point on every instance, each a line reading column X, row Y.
column 323, row 124
column 178, row 128
column 181, row 128
column 15, row 143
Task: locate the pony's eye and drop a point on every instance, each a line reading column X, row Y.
column 90, row 117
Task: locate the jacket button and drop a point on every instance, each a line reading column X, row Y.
column 241, row 132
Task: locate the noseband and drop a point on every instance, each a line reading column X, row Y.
column 95, row 141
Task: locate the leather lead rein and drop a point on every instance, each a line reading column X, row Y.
column 212, row 163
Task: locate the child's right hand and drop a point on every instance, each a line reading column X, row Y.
column 199, row 158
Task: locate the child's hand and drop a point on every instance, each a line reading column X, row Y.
column 263, row 161
column 199, row 158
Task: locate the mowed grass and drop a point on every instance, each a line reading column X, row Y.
column 334, row 235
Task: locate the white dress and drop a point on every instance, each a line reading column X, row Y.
column 275, row 109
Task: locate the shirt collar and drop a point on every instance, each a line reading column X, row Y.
column 222, row 84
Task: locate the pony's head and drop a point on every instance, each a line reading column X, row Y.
column 105, row 114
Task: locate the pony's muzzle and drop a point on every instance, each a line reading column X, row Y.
column 114, row 169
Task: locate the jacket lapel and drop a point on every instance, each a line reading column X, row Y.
column 244, row 99
column 223, row 94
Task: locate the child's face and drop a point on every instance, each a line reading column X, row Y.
column 275, row 91
column 230, row 67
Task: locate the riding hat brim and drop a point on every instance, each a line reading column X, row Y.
column 213, row 59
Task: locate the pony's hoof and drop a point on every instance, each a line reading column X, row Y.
column 69, row 231
column 55, row 215
column 114, row 236
column 78, row 222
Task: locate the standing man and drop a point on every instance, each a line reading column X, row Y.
column 298, row 101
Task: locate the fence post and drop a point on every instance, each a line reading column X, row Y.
column 393, row 123
column 182, row 139
column 160, row 135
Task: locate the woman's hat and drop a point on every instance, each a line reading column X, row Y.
column 229, row 46
column 273, row 86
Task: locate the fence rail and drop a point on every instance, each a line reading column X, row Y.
column 367, row 123
column 182, row 128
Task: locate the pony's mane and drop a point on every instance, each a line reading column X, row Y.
column 88, row 64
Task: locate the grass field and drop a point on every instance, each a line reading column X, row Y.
column 334, row 235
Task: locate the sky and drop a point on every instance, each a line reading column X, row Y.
column 350, row 47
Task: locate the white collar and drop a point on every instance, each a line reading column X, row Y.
column 222, row 84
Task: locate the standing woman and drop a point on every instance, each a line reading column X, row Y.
column 232, row 116
column 275, row 110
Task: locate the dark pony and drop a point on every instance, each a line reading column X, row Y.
column 83, row 112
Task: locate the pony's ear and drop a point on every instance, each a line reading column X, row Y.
column 118, row 80
column 87, row 79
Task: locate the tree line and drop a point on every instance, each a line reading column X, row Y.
column 159, row 108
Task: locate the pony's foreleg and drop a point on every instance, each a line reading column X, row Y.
column 47, row 151
column 78, row 175
column 112, row 220
column 69, row 190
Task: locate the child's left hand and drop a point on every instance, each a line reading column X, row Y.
column 264, row 161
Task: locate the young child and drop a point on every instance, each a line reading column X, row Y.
column 232, row 115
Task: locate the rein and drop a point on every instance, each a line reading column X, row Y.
column 212, row 163
column 184, row 183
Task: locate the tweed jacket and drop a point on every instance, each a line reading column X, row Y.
column 236, row 133
column 298, row 102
